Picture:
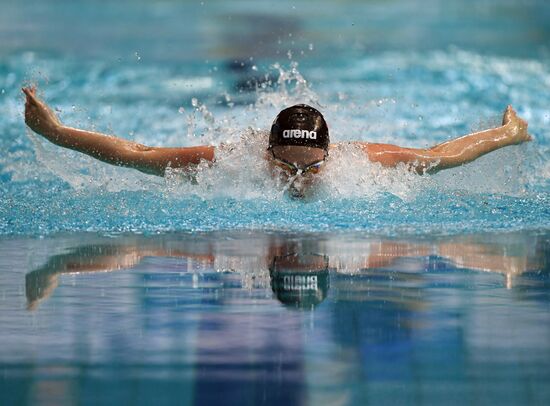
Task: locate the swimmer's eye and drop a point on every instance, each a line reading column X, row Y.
column 293, row 169
column 286, row 166
column 314, row 168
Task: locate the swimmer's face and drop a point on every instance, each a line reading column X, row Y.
column 299, row 163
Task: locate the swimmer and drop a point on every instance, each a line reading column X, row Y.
column 298, row 144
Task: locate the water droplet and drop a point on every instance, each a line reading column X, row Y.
column 254, row 67
column 181, row 110
column 289, row 54
column 379, row 102
column 194, row 102
column 310, row 47
column 137, row 56
column 3, row 91
column 420, row 118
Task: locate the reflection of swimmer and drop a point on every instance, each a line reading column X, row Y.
column 300, row 280
column 40, row 283
column 298, row 145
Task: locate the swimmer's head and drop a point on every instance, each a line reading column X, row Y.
column 299, row 139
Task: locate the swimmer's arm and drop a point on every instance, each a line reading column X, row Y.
column 106, row 148
column 121, row 152
column 455, row 152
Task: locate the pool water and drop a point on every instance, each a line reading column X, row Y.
column 268, row 318
column 380, row 286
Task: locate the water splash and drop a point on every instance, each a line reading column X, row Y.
column 46, row 189
column 291, row 88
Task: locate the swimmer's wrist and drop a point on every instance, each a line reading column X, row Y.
column 53, row 129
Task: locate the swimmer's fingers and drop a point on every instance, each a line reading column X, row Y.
column 32, row 104
column 38, row 116
column 509, row 115
column 519, row 125
column 523, row 135
column 522, row 126
column 30, row 91
column 32, row 99
column 28, row 97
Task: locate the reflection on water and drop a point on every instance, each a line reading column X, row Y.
column 300, row 279
column 295, row 268
column 263, row 318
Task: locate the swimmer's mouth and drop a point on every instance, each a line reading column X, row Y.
column 296, row 193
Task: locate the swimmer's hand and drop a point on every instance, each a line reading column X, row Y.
column 38, row 116
column 516, row 126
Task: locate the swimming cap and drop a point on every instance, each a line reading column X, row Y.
column 299, row 125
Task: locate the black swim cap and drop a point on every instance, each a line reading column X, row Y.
column 299, row 125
